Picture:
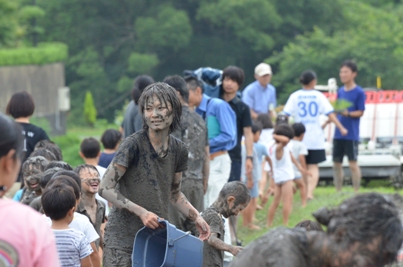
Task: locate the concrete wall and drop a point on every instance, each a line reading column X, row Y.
column 42, row 82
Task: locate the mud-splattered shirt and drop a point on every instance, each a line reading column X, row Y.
column 278, row 248
column 146, row 182
column 193, row 133
column 211, row 256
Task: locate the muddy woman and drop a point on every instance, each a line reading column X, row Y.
column 145, row 175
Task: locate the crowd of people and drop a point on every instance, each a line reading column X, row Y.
column 197, row 161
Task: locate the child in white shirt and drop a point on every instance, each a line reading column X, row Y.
column 283, row 173
column 299, row 151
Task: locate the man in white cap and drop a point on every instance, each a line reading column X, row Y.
column 260, row 95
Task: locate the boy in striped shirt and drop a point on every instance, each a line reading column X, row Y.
column 59, row 203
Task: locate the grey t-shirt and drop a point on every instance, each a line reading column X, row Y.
column 297, row 148
column 133, row 121
column 211, row 256
column 146, row 182
column 36, row 204
column 278, row 248
column 193, row 133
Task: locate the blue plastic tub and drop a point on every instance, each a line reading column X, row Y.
column 166, row 247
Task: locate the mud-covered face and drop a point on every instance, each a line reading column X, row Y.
column 158, row 115
column 32, row 178
column 90, row 180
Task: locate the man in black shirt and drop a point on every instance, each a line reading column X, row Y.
column 232, row 79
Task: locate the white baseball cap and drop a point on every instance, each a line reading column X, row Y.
column 263, row 69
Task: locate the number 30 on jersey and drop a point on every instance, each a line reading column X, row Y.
column 307, row 108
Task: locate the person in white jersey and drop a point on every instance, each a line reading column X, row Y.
column 306, row 105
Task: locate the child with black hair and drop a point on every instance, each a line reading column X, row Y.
column 299, row 152
column 283, row 173
column 252, row 179
column 59, row 164
column 110, row 140
column 233, row 198
column 90, row 152
column 43, row 152
column 59, row 203
column 309, row 225
column 51, row 146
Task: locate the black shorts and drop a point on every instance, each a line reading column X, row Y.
column 315, row 156
column 344, row 147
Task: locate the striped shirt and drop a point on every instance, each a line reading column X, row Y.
column 72, row 247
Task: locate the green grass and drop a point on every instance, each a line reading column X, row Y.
column 324, row 196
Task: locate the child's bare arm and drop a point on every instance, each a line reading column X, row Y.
column 108, row 191
column 325, row 124
column 86, row 262
column 179, row 200
column 94, row 256
column 295, row 162
column 302, row 161
column 268, row 159
column 281, row 138
column 218, row 244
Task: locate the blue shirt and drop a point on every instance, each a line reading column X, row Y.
column 357, row 98
column 259, row 98
column 105, row 159
column 221, row 123
column 259, row 151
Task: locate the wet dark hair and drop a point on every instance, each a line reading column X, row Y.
column 265, row 120
column 235, row 189
column 165, row 94
column 281, row 118
column 110, row 138
column 307, row 77
column 47, row 154
column 139, row 84
column 309, row 225
column 67, row 180
column 57, row 201
column 234, row 73
column 71, row 175
column 193, row 83
column 298, row 128
column 363, row 218
column 351, row 65
column 49, row 145
column 256, row 127
column 37, row 163
column 47, row 175
column 81, row 167
column 90, row 148
column 20, row 105
column 10, row 137
column 59, row 164
column 284, row 130
column 179, row 84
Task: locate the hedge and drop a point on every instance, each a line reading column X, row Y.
column 44, row 53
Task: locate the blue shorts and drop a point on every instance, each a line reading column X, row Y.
column 254, row 192
column 297, row 178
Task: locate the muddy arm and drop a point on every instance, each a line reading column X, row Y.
column 206, row 168
column 218, row 244
column 180, row 202
column 108, row 190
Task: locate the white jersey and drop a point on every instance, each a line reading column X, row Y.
column 306, row 106
column 282, row 168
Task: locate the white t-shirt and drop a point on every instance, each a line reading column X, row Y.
column 266, row 136
column 282, row 169
column 297, row 148
column 306, row 106
column 72, row 247
column 81, row 223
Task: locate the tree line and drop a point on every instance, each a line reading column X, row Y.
column 110, row 42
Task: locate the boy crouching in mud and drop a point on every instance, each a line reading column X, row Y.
column 233, row 198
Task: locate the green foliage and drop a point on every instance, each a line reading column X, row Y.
column 142, row 63
column 8, row 22
column 169, row 30
column 28, row 13
column 341, row 104
column 70, row 146
column 43, row 54
column 90, row 111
